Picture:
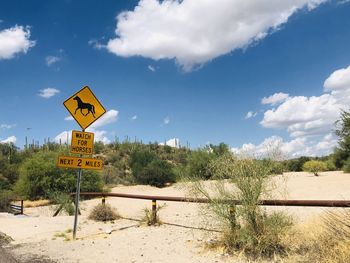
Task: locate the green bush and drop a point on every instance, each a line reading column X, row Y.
column 5, row 197
column 314, row 167
column 346, row 166
column 64, row 201
column 198, row 164
column 103, row 212
column 296, row 165
column 248, row 229
column 330, row 165
column 40, row 176
column 148, row 168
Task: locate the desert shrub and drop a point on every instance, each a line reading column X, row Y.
column 64, row 201
column 346, row 166
column 5, row 197
column 330, row 165
column 329, row 242
column 39, row 177
column 148, row 168
column 248, row 228
column 197, row 163
column 314, row 167
column 103, row 212
column 5, row 239
column 149, row 218
column 342, row 130
column 276, row 167
column 296, row 165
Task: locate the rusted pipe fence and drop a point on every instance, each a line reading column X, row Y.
column 313, row 203
column 307, row 203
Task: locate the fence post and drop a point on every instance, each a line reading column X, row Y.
column 233, row 220
column 154, row 212
column 22, row 207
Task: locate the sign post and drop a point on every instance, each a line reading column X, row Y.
column 77, row 197
column 85, row 109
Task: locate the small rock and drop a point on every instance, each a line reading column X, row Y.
column 109, row 231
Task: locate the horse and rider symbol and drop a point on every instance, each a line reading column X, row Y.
column 83, row 105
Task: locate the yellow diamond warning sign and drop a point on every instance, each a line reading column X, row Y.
column 82, row 142
column 77, row 162
column 84, row 107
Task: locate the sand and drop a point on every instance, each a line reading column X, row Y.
column 179, row 239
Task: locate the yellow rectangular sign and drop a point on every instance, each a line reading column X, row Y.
column 77, row 162
column 82, row 142
column 84, row 107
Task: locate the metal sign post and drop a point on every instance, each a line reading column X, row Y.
column 85, row 109
column 77, row 197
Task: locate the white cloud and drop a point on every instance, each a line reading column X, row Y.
column 166, row 120
column 304, row 116
column 100, row 136
column 250, row 114
column 11, row 139
column 109, row 117
column 310, row 120
column 174, row 142
column 50, row 60
column 7, row 126
column 151, row 68
column 134, row 118
column 196, row 31
column 275, row 98
column 64, row 137
column 48, row 92
column 15, row 40
column 339, row 80
column 69, row 118
column 96, row 44
column 275, row 145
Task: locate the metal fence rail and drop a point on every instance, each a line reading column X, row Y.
column 313, row 203
column 155, row 198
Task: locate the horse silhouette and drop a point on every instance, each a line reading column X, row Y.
column 82, row 105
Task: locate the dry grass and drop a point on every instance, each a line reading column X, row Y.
column 103, row 212
column 5, row 239
column 322, row 240
column 37, row 203
column 149, row 218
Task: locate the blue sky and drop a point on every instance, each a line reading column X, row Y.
column 248, row 73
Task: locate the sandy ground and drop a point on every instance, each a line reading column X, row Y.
column 179, row 239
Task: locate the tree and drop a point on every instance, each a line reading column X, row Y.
column 220, row 149
column 296, row 165
column 314, row 167
column 148, row 168
column 342, row 152
column 197, row 164
column 40, row 177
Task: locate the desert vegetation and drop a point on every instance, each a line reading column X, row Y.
column 32, row 173
column 103, row 212
column 247, row 229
